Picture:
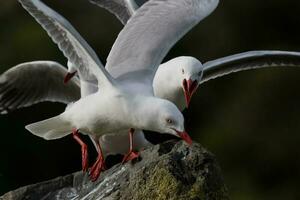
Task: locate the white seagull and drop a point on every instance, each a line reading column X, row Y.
column 125, row 98
column 18, row 89
column 168, row 85
column 123, row 10
column 18, row 81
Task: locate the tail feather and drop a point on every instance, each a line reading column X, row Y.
column 50, row 129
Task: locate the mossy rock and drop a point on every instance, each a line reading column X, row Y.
column 169, row 171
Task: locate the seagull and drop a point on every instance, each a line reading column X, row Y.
column 17, row 90
column 123, row 10
column 168, row 85
column 125, row 91
column 178, row 87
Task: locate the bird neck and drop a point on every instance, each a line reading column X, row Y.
column 143, row 112
column 167, row 85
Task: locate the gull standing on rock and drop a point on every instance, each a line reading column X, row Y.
column 125, row 93
column 124, row 9
column 14, row 79
column 18, row 89
column 166, row 84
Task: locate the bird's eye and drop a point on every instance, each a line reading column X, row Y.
column 182, row 70
column 200, row 73
column 169, row 121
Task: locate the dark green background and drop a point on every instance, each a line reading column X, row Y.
column 249, row 120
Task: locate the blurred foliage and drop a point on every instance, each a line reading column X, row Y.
column 249, row 120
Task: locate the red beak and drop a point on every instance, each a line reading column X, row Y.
column 185, row 136
column 69, row 76
column 189, row 87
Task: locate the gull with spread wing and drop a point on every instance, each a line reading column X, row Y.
column 124, row 9
column 186, row 68
column 125, row 91
column 18, row 89
column 168, row 83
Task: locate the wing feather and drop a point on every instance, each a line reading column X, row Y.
column 249, row 60
column 122, row 9
column 151, row 32
column 69, row 41
column 118, row 8
column 33, row 82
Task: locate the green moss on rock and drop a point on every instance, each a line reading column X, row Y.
column 169, row 171
column 161, row 185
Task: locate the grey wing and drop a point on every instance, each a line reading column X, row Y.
column 151, row 32
column 69, row 41
column 122, row 9
column 33, row 82
column 118, row 8
column 249, row 60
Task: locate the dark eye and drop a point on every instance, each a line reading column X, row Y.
column 200, row 73
column 169, row 121
column 182, row 70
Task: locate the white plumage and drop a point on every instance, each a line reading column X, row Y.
column 122, row 98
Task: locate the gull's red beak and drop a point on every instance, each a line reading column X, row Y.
column 185, row 136
column 189, row 87
column 69, row 76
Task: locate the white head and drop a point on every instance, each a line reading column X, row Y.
column 71, row 72
column 191, row 72
column 163, row 117
column 184, row 73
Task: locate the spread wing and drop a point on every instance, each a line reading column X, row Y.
column 69, row 41
column 122, row 9
column 151, row 32
column 33, row 82
column 249, row 60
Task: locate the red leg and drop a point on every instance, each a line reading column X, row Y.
column 131, row 154
column 84, row 151
column 99, row 165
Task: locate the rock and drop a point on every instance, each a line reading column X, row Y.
column 169, row 171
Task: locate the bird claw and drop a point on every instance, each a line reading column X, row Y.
column 130, row 156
